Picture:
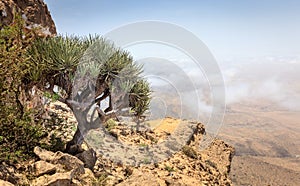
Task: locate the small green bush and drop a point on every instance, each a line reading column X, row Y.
column 212, row 164
column 169, row 169
column 189, row 151
column 19, row 131
column 110, row 124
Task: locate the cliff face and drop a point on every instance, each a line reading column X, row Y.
column 34, row 12
column 189, row 166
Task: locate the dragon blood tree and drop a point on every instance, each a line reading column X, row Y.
column 84, row 73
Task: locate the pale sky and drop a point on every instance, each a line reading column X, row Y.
column 231, row 29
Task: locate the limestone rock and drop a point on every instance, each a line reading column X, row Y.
column 41, row 167
column 87, row 178
column 139, row 178
column 43, row 154
column 68, row 169
column 55, row 179
column 5, row 183
column 219, row 154
column 68, row 161
column 73, row 178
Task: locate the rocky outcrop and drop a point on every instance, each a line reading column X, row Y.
column 59, row 169
column 34, row 12
column 50, row 169
column 67, row 161
column 188, row 166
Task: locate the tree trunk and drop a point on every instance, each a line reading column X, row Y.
column 74, row 146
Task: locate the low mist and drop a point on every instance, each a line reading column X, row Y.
column 270, row 79
column 180, row 89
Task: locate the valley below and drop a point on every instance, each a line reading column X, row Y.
column 267, row 143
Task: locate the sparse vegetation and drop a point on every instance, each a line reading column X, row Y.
column 101, row 180
column 19, row 130
column 146, row 161
column 169, row 169
column 144, row 145
column 211, row 164
column 110, row 124
column 189, row 151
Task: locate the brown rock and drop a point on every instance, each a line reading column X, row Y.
column 56, row 179
column 69, row 169
column 219, row 155
column 8, row 173
column 5, row 183
column 34, row 12
column 190, row 166
column 87, row 178
column 68, row 161
column 140, row 178
column 43, row 154
column 41, row 167
column 73, row 178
